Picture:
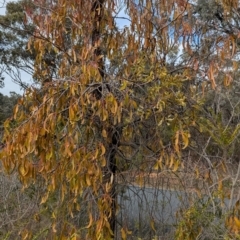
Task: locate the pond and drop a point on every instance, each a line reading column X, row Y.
column 148, row 212
column 143, row 206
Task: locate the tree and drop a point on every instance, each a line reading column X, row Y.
column 14, row 35
column 112, row 100
column 6, row 108
column 15, row 31
column 6, row 105
column 215, row 51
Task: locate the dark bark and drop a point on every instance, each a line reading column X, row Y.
column 113, row 133
column 97, row 8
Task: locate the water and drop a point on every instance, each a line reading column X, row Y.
column 150, row 212
column 143, row 209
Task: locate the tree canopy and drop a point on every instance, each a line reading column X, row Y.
column 111, row 100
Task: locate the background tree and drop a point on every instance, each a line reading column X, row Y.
column 14, row 35
column 15, row 31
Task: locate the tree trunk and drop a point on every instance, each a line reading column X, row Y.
column 114, row 133
column 111, row 170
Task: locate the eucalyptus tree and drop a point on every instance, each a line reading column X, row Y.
column 14, row 35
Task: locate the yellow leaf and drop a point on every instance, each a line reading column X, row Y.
column 36, row 217
column 175, row 167
column 171, row 160
column 229, row 222
column 237, row 222
column 185, row 138
column 88, row 180
column 44, row 198
column 177, row 141
column 111, row 178
column 104, row 115
column 71, row 113
column 103, row 150
column 63, row 191
column 123, row 233
column 152, row 226
column 104, row 133
column 156, row 166
column 211, row 76
column 74, row 237
column 42, row 132
column 108, row 187
column 123, row 85
column 54, row 182
column 53, row 215
column 25, row 234
column 140, row 180
column 235, row 65
column 15, row 111
column 90, row 221
column 160, row 162
column 103, row 162
column 23, row 170
column 74, row 56
column 220, row 186
column 114, row 107
column 54, row 227
column 197, row 173
column 233, row 45
column 119, row 116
